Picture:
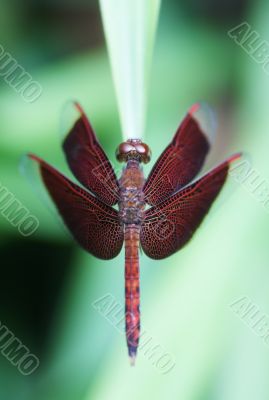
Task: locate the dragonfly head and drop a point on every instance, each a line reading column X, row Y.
column 133, row 149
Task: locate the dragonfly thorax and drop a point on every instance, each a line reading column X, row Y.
column 132, row 204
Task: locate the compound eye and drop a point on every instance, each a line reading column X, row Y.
column 141, row 148
column 123, row 150
column 144, row 150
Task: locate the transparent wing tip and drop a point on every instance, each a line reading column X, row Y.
column 235, row 157
column 70, row 113
column 206, row 118
column 30, row 169
column 240, row 164
column 27, row 167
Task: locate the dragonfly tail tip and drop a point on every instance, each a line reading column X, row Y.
column 132, row 358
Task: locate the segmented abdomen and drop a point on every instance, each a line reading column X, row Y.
column 132, row 292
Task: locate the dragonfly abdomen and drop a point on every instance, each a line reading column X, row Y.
column 132, row 291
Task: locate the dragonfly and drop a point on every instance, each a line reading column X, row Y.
column 157, row 215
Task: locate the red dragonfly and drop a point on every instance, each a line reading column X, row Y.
column 178, row 204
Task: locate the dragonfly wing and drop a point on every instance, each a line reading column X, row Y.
column 94, row 224
column 88, row 161
column 170, row 225
column 183, row 157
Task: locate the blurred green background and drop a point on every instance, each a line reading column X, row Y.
column 48, row 283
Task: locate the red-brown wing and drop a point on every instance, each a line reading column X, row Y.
column 183, row 157
column 94, row 225
column 170, row 225
column 88, row 161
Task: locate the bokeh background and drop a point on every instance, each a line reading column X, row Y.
column 48, row 283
